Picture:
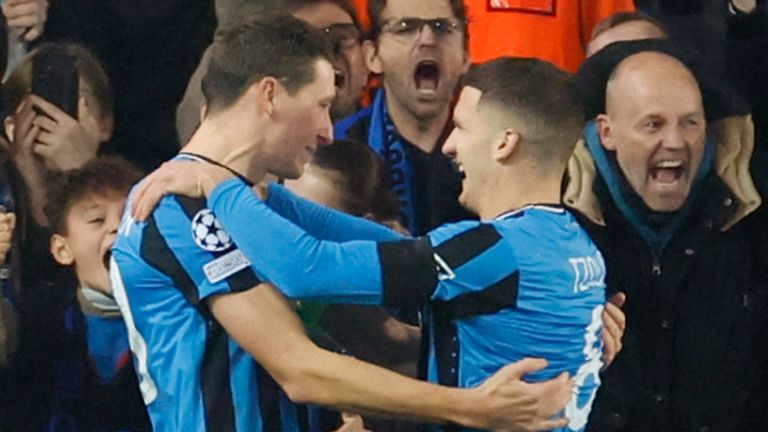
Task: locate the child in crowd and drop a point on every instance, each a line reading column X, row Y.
column 84, row 208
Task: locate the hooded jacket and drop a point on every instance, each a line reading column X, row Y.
column 694, row 346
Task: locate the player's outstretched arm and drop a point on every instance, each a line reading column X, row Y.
column 323, row 222
column 197, row 180
column 263, row 323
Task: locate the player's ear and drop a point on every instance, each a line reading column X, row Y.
column 506, row 144
column 60, row 250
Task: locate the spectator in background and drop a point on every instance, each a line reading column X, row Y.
column 84, row 210
column 747, row 51
column 556, row 31
column 44, row 139
column 420, row 51
column 663, row 187
column 149, row 50
column 339, row 25
column 624, row 26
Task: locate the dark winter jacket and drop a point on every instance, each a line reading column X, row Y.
column 694, row 347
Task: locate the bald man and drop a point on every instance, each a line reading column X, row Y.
column 670, row 215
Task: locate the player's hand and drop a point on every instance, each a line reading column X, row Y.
column 614, row 323
column 63, row 142
column 190, row 178
column 28, row 16
column 7, row 224
column 508, row 403
column 352, row 423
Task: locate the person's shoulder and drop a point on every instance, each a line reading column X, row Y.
column 464, row 241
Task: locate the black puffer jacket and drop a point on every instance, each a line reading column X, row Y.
column 695, row 343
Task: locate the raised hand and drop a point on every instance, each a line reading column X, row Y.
column 7, row 225
column 28, row 16
column 63, row 142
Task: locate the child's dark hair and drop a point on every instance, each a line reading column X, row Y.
column 362, row 178
column 99, row 177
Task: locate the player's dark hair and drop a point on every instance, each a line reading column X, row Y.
column 539, row 96
column 102, row 176
column 255, row 47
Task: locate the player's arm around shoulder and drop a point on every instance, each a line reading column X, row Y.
column 309, row 374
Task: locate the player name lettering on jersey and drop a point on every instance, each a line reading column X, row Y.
column 589, row 272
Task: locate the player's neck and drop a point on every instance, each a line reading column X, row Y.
column 218, row 140
column 513, row 193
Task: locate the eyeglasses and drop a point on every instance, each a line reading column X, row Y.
column 341, row 37
column 408, row 28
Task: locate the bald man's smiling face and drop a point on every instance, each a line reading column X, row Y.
column 655, row 123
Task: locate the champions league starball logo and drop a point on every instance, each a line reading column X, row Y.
column 208, row 232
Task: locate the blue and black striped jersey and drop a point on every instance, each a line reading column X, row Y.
column 527, row 284
column 193, row 376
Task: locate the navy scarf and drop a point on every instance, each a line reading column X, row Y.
column 384, row 139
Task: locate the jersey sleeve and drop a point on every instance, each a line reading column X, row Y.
column 184, row 241
column 302, row 266
column 477, row 269
column 323, row 222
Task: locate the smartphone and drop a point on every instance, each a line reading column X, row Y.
column 55, row 79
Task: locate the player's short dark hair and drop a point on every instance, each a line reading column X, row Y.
column 99, row 177
column 537, row 95
column 89, row 69
column 275, row 45
column 362, row 178
column 620, row 18
column 376, row 8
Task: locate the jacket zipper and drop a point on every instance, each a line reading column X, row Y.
column 656, row 270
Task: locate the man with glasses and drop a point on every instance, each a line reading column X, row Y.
column 419, row 49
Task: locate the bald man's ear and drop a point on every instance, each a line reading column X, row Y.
column 605, row 132
column 506, row 145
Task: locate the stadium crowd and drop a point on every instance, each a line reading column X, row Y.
column 384, row 215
